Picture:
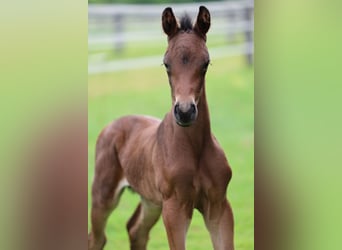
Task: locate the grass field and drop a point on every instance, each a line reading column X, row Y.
column 230, row 93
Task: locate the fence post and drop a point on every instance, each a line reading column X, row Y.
column 231, row 16
column 249, row 34
column 118, row 33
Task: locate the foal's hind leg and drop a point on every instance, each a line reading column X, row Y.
column 140, row 224
column 106, row 191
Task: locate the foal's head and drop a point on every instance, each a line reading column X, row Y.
column 186, row 61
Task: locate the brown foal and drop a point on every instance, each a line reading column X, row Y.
column 176, row 164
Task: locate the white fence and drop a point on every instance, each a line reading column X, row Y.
column 111, row 27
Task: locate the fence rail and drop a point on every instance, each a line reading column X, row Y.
column 115, row 25
column 156, row 9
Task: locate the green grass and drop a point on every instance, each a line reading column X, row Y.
column 230, row 93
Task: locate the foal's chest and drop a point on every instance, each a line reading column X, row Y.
column 195, row 183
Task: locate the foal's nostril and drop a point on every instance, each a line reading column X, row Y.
column 176, row 110
column 193, row 108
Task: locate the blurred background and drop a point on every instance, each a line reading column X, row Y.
column 126, row 45
column 124, row 36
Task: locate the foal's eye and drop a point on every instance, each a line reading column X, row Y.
column 205, row 66
column 167, row 67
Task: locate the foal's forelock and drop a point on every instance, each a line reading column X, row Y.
column 186, row 23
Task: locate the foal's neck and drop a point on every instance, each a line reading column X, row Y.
column 199, row 132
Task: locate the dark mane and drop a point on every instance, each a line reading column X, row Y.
column 185, row 23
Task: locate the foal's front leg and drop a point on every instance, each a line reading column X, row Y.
column 219, row 220
column 176, row 218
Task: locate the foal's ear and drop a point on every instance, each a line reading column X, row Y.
column 169, row 22
column 203, row 21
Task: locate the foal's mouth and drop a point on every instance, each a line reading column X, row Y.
column 184, row 124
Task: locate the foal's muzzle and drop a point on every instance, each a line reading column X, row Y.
column 185, row 113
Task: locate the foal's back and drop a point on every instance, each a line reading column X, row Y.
column 127, row 131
